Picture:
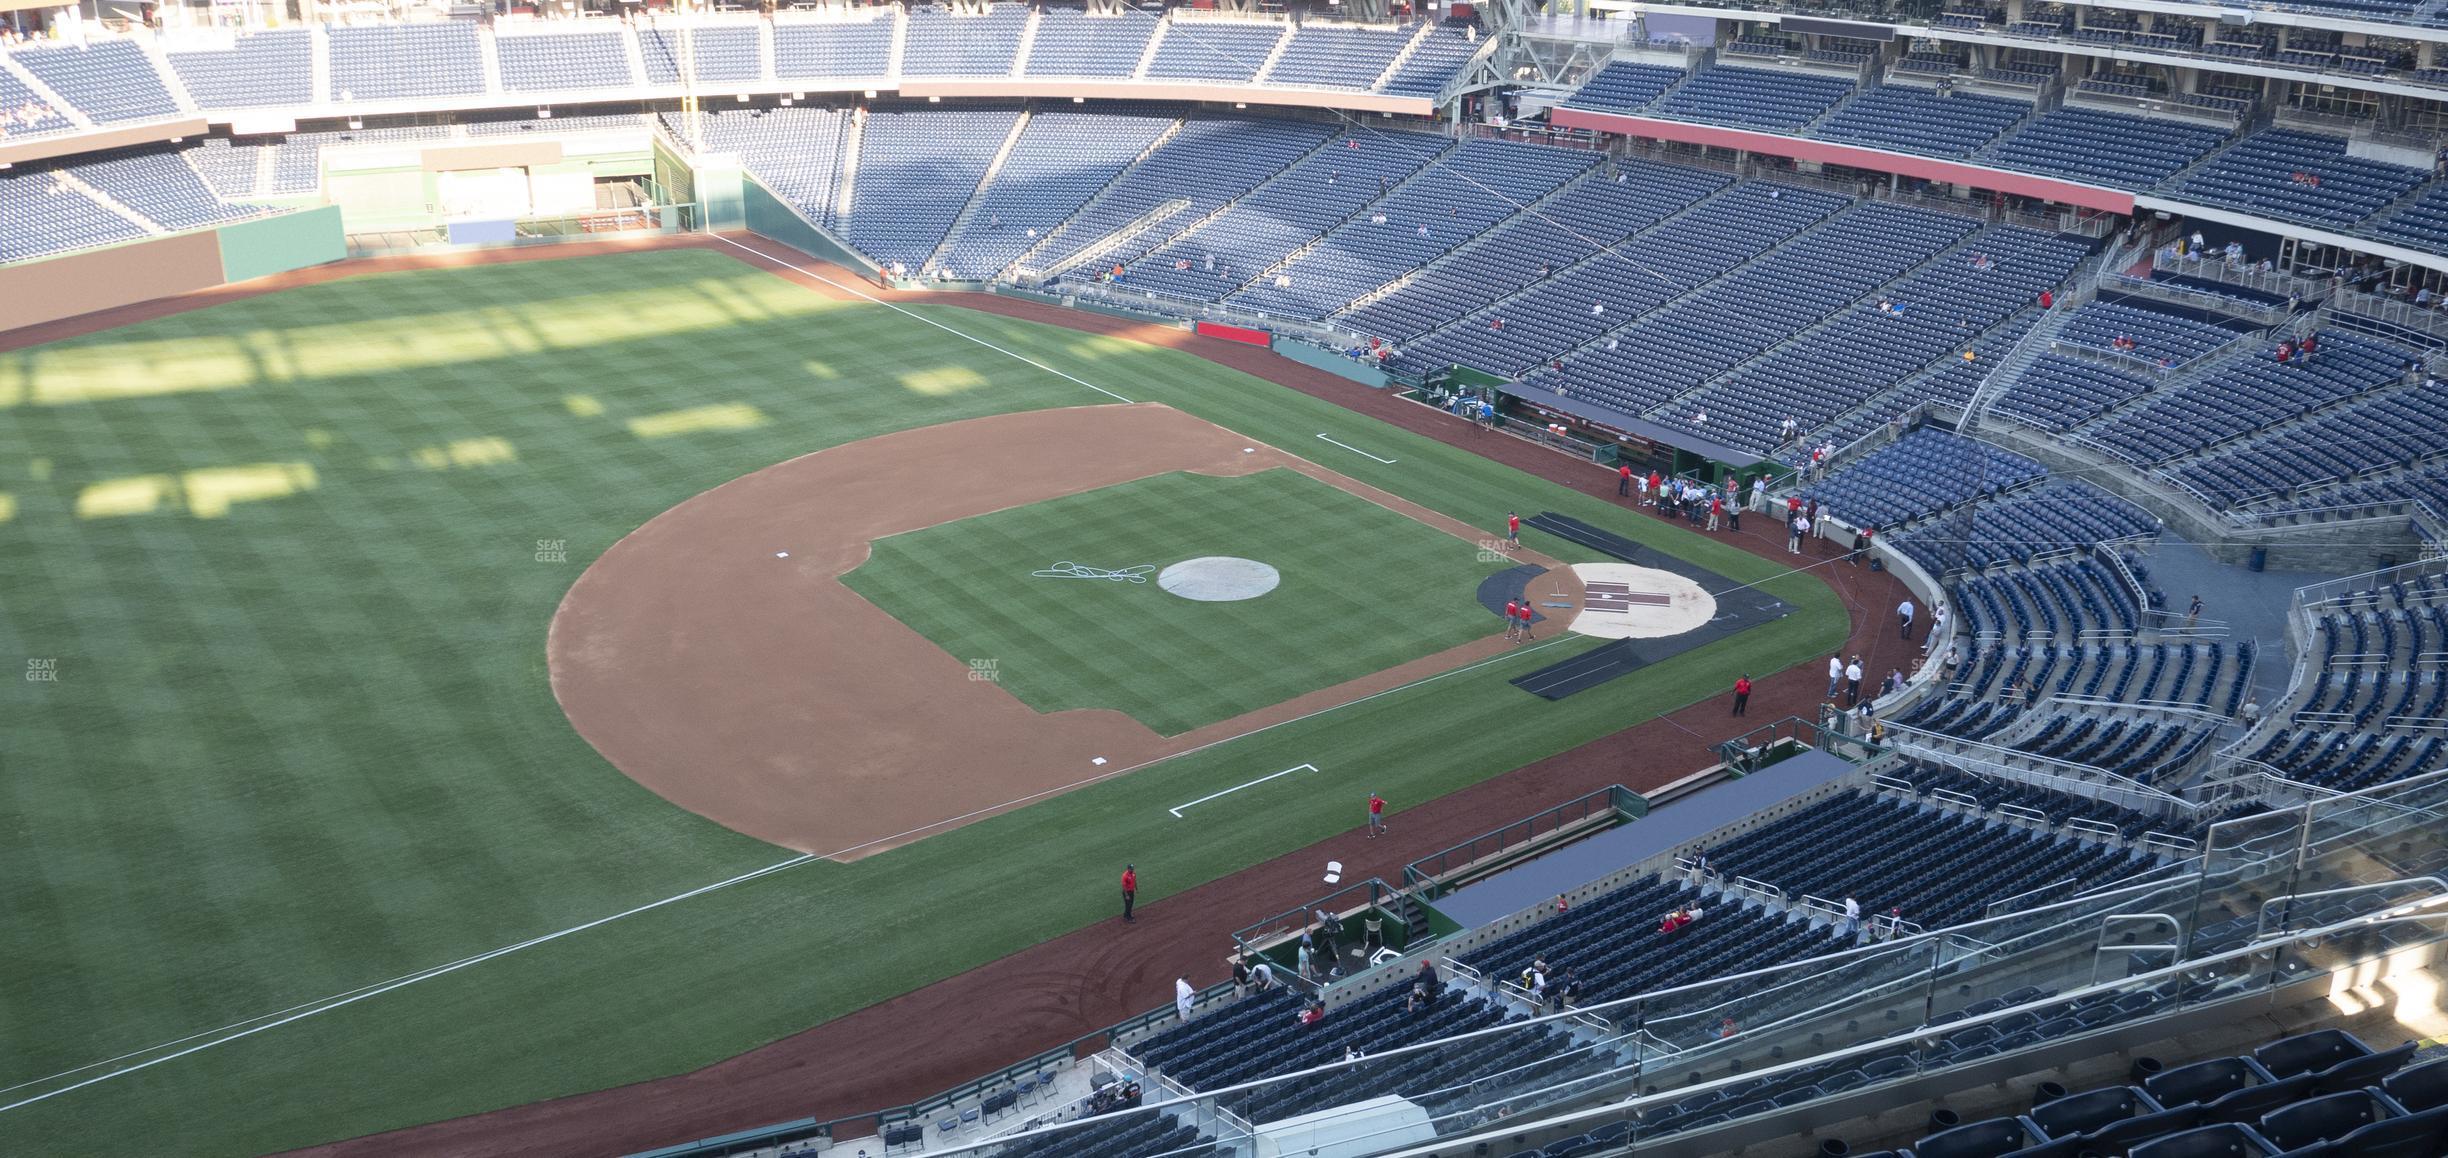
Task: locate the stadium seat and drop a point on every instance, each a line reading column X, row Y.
column 2222, row 1141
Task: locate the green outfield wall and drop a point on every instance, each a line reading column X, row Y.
column 270, row 245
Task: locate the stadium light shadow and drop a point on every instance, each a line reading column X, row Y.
column 104, row 371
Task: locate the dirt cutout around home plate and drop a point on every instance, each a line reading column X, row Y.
column 714, row 655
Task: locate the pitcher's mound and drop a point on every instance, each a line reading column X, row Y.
column 1219, row 579
column 1622, row 601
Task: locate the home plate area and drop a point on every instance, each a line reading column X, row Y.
column 1653, row 606
column 1623, row 601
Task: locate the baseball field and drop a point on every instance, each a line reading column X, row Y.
column 327, row 804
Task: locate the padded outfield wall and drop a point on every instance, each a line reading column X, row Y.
column 83, row 283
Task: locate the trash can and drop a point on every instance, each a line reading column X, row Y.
column 2258, row 560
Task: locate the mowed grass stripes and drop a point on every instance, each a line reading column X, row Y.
column 307, row 743
column 1362, row 589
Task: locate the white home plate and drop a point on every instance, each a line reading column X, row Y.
column 1621, row 601
column 1219, row 578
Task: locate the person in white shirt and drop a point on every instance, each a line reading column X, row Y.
column 1853, row 678
column 1835, row 674
column 1852, row 918
column 1904, row 614
column 1937, row 631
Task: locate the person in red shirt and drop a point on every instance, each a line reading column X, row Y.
column 1525, row 619
column 1512, row 614
column 1512, row 529
column 1742, row 694
column 1377, row 822
column 1656, row 486
column 1716, row 511
column 1130, row 890
column 1623, row 481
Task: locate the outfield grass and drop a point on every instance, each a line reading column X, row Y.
column 294, row 558
column 1363, row 589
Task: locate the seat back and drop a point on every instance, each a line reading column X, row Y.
column 2116, row 1137
column 2357, row 1072
column 1987, row 1139
column 2424, row 1087
column 2247, row 1104
column 2320, row 1119
column 2307, row 1052
column 2203, row 1081
column 2225, row 1140
column 2418, row 1136
column 2088, row 1111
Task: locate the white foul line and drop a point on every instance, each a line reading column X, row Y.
column 1177, row 810
column 1356, row 450
column 961, row 334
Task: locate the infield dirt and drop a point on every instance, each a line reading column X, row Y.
column 715, row 656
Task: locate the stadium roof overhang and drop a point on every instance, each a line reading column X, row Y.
column 95, row 140
column 915, row 87
column 2379, row 249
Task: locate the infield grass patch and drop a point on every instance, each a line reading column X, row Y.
column 1364, row 589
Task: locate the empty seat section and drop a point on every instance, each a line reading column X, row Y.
column 382, row 62
column 108, row 80
column 1345, row 56
column 1060, row 161
column 1468, row 191
column 254, row 70
column 916, row 169
column 1214, row 50
column 1074, row 43
column 943, row 42
column 562, row 61
column 835, row 49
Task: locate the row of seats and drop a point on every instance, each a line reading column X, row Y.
column 1921, row 474
column 1935, row 865
column 2056, row 516
column 2321, row 1094
column 2000, row 683
column 2066, row 600
column 1259, row 230
column 2378, row 431
column 114, row 80
column 1786, row 291
column 1212, row 162
column 1597, row 213
column 916, row 170
column 2286, row 174
column 1059, row 161
column 1575, row 305
column 1470, row 190
column 1942, row 311
column 2245, row 392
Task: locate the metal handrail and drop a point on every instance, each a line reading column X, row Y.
column 2261, row 919
column 1991, row 909
column 1591, row 1115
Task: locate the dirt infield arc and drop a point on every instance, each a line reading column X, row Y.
column 715, row 656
